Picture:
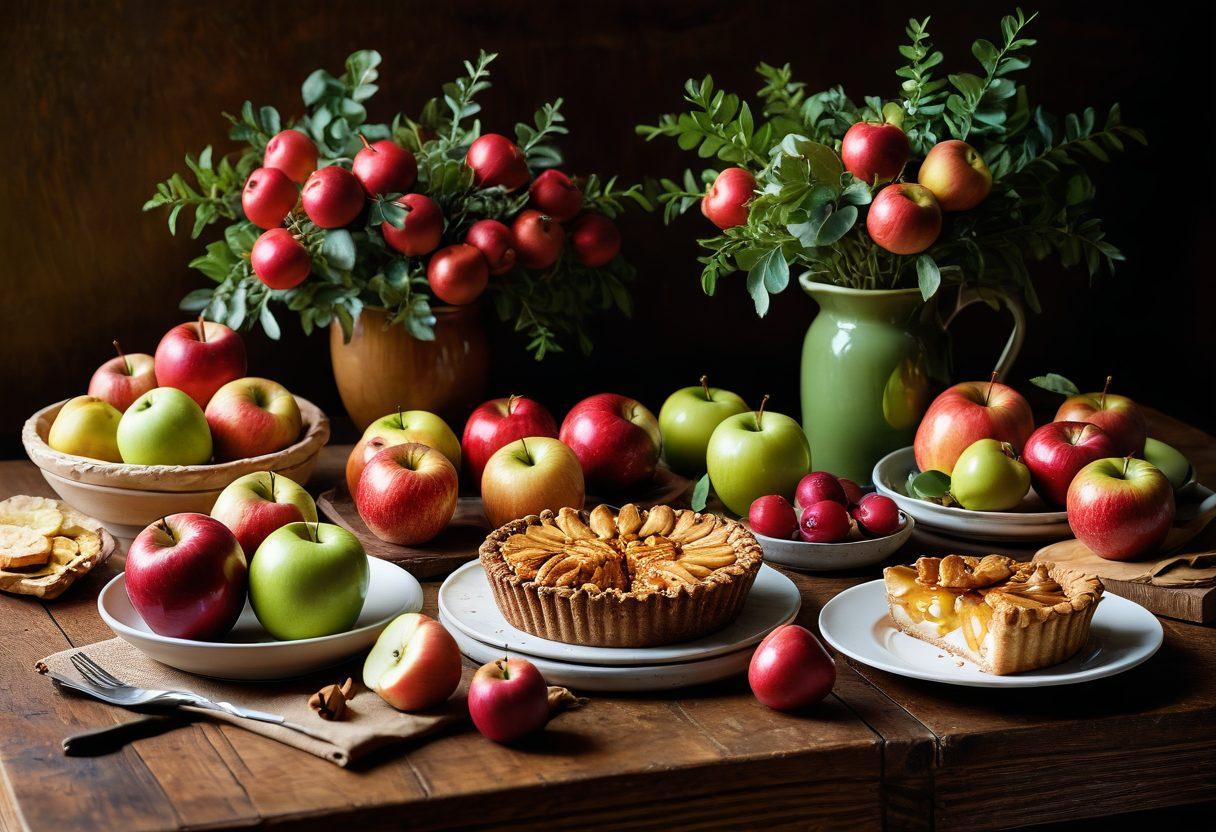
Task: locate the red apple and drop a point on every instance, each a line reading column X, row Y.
column 773, row 516
column 818, row 486
column 508, row 699
column 415, row 664
column 876, row 515
column 500, row 422
column 1056, row 452
column 199, row 358
column 554, row 194
column 496, row 160
column 397, row 429
column 407, row 493
column 251, row 417
column 293, row 153
column 874, row 152
column 1121, row 509
column 956, row 174
column 595, row 240
column 791, row 670
column 824, row 522
column 257, row 504
column 616, row 440
column 528, row 476
column 422, row 230
column 852, row 491
column 965, row 414
column 458, row 274
column 494, row 241
column 904, row 218
column 1119, row 416
column 186, row 576
column 123, row 379
column 360, row 455
column 268, row 197
column 537, row 238
column 384, row 168
column 332, row 197
column 279, row 259
column 725, row 203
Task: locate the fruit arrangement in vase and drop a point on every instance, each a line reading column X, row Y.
column 882, row 204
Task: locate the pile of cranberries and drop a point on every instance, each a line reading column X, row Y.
column 832, row 509
column 334, row 197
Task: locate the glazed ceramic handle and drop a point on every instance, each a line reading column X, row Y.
column 968, row 295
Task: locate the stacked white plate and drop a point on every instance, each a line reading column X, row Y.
column 467, row 608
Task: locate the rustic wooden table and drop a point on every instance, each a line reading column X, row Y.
column 882, row 750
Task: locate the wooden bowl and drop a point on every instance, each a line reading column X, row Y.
column 125, row 498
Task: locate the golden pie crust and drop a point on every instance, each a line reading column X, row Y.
column 633, row 578
column 1005, row 616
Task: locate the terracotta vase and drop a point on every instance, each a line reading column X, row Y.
column 383, row 368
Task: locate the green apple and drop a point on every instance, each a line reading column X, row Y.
column 308, row 580
column 988, row 476
column 688, row 419
column 87, row 426
column 754, row 454
column 1169, row 461
column 164, row 427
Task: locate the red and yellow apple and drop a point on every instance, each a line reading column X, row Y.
column 251, row 417
column 87, row 426
column 965, row 414
column 500, row 422
column 956, row 174
column 257, row 504
column 199, row 358
column 1122, row 509
column 123, row 379
column 1057, row 451
column 616, row 440
column 904, row 218
column 397, row 429
column 407, row 493
column 1119, row 416
column 414, row 665
column 530, row 475
column 874, row 152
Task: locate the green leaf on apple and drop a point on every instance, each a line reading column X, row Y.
column 1056, row 383
column 928, row 275
column 700, row 494
column 928, row 485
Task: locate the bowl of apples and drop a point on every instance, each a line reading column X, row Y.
column 832, row 525
column 161, row 435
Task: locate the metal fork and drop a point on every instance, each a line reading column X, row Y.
column 101, row 684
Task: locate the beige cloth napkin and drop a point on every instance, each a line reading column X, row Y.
column 370, row 723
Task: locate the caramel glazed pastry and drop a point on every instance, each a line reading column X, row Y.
column 634, row 579
column 1005, row 616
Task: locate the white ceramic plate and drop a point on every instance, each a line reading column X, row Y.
column 1032, row 522
column 855, row 622
column 617, row 678
column 466, row 603
column 250, row 652
column 831, row 557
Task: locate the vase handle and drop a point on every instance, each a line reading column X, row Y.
column 968, row 296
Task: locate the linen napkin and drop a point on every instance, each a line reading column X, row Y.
column 369, row 723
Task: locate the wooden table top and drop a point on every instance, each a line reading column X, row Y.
column 881, row 750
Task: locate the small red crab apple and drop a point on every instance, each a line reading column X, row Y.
column 268, row 197
column 553, row 193
column 725, row 203
column 293, row 153
column 496, row 160
column 279, row 259
column 595, row 240
column 384, row 167
column 538, row 239
column 458, row 274
column 494, row 240
column 874, row 152
column 773, row 516
column 332, row 197
column 422, row 230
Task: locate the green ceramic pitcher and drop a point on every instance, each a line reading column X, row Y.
column 865, row 370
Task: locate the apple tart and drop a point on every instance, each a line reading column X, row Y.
column 1005, row 616
column 637, row 578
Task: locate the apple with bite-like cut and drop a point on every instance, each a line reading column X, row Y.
column 966, row 413
column 257, row 504
column 500, row 422
column 616, row 440
column 414, row 665
column 122, row 380
column 407, row 494
column 251, row 417
column 199, row 358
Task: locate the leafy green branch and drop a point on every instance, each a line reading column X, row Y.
column 216, row 193
column 604, row 197
column 720, row 125
column 990, row 100
column 923, row 95
column 533, row 140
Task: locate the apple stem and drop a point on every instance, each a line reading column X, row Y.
column 164, row 524
column 202, row 329
column 271, row 484
column 125, row 362
column 1102, row 398
column 312, row 533
column 511, row 400
column 988, row 393
column 506, row 668
column 367, row 146
column 705, row 387
column 527, row 456
column 760, row 413
column 1127, row 461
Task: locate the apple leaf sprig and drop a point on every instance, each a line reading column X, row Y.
column 353, row 267
column 809, row 213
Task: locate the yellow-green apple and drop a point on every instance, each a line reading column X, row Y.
column 904, row 218
column 773, row 516
column 257, row 504
column 414, row 665
column 1119, row 416
column 186, row 577
column 308, row 580
column 1121, row 509
column 956, row 174
column 251, row 417
column 1175, row 466
column 616, row 440
column 824, row 522
column 87, row 426
column 407, row 493
column 1057, row 451
column 725, row 203
column 989, row 476
column 874, row 152
column 500, row 422
column 754, row 454
column 199, row 358
column 397, row 429
column 791, row 670
column 968, row 412
column 164, row 427
column 687, row 420
column 528, row 476
column 122, row 380
column 508, row 699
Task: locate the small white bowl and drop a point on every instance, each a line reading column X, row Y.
column 250, row 653
column 834, row 557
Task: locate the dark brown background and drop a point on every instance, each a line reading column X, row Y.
column 100, row 101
